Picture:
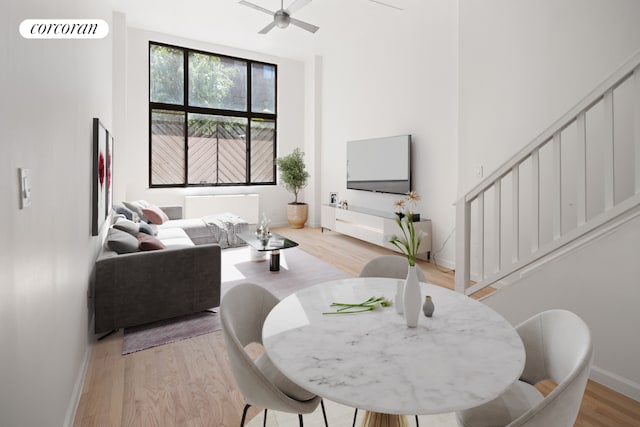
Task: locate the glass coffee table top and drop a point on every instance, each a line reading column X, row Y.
column 272, row 244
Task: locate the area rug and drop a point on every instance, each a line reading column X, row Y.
column 340, row 415
column 298, row 270
column 167, row 331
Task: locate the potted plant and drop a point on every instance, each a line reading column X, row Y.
column 294, row 177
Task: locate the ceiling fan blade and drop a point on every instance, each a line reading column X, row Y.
column 256, row 7
column 268, row 28
column 297, row 5
column 304, row 25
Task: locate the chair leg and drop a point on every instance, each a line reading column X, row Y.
column 244, row 414
column 300, row 419
column 324, row 413
column 264, row 420
column 417, row 422
column 355, row 415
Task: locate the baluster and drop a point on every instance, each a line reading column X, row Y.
column 607, row 154
column 636, row 124
column 463, row 245
column 535, row 200
column 515, row 209
column 497, row 221
column 581, row 169
column 481, row 232
column 556, row 190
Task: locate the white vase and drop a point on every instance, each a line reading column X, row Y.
column 412, row 298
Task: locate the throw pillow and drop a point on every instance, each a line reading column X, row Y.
column 149, row 243
column 149, row 229
column 155, row 215
column 128, row 226
column 136, row 206
column 121, row 242
column 123, row 210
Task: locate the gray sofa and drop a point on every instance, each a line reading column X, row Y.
column 131, row 289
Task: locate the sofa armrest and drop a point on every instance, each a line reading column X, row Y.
column 142, row 287
column 173, row 212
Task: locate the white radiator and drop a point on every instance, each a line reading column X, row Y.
column 246, row 206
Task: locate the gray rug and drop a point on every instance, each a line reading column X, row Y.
column 168, row 331
column 298, row 270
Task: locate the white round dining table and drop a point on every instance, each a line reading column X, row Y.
column 466, row 354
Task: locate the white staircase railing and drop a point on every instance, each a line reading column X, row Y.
column 580, row 173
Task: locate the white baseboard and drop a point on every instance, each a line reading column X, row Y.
column 616, row 382
column 451, row 265
column 77, row 388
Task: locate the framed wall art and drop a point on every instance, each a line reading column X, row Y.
column 99, row 210
column 109, row 175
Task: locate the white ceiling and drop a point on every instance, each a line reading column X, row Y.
column 229, row 23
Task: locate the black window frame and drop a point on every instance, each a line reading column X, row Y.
column 187, row 109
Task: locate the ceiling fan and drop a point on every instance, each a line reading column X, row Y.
column 282, row 17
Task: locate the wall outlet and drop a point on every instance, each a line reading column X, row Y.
column 25, row 188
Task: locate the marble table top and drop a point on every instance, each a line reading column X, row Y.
column 463, row 356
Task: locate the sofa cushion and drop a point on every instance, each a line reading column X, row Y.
column 121, row 242
column 155, row 215
column 174, row 238
column 170, row 233
column 149, row 243
column 127, row 225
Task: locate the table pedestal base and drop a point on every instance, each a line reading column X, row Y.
column 274, row 265
column 376, row 419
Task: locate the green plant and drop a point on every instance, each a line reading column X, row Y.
column 293, row 173
column 408, row 243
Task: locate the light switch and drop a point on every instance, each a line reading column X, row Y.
column 25, row 188
column 478, row 171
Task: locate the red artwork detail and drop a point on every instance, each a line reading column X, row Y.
column 109, row 172
column 101, row 169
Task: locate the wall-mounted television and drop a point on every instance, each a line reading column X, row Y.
column 380, row 164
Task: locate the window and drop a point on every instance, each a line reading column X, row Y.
column 212, row 119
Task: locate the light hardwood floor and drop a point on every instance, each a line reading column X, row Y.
column 189, row 383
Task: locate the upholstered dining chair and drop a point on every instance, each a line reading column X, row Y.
column 558, row 347
column 392, row 266
column 243, row 311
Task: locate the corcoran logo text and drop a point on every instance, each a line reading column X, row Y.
column 64, row 28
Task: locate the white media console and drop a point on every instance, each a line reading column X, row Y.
column 371, row 226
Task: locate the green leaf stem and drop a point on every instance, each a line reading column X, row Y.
column 370, row 304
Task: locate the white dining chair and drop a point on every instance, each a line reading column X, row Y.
column 242, row 312
column 391, row 266
column 558, row 348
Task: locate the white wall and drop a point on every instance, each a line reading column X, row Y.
column 350, row 86
column 523, row 64
column 397, row 74
column 132, row 153
column 599, row 282
column 51, row 90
